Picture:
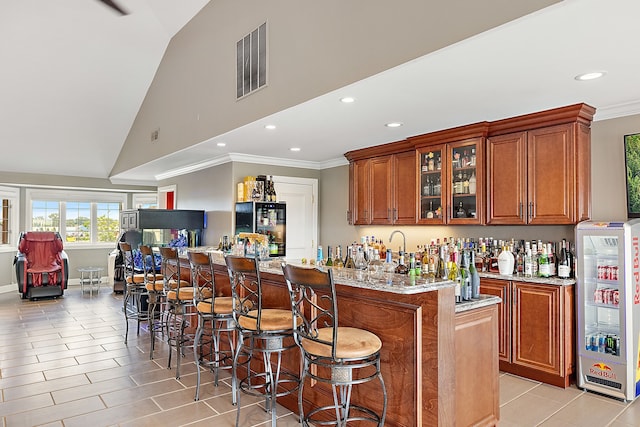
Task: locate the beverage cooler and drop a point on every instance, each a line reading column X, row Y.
column 608, row 307
column 268, row 218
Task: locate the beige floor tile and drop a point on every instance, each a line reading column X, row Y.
column 25, row 404
column 38, row 367
column 115, row 415
column 179, row 416
column 511, row 387
column 587, row 410
column 528, row 410
column 53, row 413
column 631, row 414
column 26, row 360
column 84, row 368
column 141, row 392
column 45, row 387
column 93, row 389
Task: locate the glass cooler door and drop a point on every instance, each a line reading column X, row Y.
column 602, row 327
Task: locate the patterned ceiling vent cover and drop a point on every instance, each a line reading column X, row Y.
column 251, row 61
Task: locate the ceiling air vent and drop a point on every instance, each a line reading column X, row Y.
column 251, row 61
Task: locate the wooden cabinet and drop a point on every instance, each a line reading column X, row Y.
column 540, row 175
column 536, row 333
column 450, row 170
column 382, row 188
column 531, row 169
column 476, row 363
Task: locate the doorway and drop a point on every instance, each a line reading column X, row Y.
column 300, row 195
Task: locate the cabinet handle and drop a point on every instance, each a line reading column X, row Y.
column 388, row 214
column 348, row 217
column 520, row 211
column 530, row 211
column 395, row 214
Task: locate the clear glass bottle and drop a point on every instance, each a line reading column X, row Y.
column 401, row 268
column 348, row 262
column 473, row 183
column 475, row 277
column 337, row 261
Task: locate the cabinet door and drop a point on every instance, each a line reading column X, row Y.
column 502, row 289
column 361, row 196
column 536, row 327
column 465, row 192
column 551, row 175
column 432, row 189
column 507, row 179
column 404, row 188
column 381, row 190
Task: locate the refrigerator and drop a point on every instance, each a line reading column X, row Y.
column 268, row 218
column 608, row 307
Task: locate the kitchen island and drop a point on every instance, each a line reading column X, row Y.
column 439, row 359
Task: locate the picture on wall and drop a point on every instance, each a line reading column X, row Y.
column 632, row 163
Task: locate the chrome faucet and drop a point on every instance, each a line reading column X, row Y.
column 404, row 240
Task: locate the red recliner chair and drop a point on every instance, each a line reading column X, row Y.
column 42, row 266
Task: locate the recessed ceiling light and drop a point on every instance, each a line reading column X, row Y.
column 221, row 144
column 393, row 124
column 294, row 149
column 347, row 99
column 590, row 76
column 270, row 127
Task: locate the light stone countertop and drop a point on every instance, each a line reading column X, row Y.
column 542, row 280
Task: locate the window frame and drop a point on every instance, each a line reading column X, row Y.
column 13, row 195
column 63, row 196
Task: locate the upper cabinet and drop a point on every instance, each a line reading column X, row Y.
column 380, row 188
column 531, row 169
column 540, row 175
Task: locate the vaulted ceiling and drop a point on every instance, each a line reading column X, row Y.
column 74, row 74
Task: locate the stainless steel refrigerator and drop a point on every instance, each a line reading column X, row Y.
column 608, row 307
column 268, row 218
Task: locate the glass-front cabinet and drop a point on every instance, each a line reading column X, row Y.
column 432, row 183
column 450, row 183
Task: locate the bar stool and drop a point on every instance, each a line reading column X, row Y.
column 215, row 311
column 135, row 295
column 180, row 304
column 332, row 354
column 154, row 284
column 262, row 332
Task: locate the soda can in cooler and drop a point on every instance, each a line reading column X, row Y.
column 616, row 297
column 614, row 272
column 594, row 342
column 587, row 342
column 602, row 343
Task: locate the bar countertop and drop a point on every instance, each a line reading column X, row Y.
column 396, row 283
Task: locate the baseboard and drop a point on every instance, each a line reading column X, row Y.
column 13, row 287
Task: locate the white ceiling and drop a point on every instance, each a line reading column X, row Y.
column 77, row 74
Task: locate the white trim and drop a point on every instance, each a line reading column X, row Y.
column 13, row 195
column 13, row 287
column 618, row 110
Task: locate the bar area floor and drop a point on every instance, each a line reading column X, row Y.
column 63, row 363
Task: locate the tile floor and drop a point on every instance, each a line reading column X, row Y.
column 63, row 363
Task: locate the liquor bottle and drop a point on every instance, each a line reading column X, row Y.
column 438, row 162
column 475, row 277
column 319, row 257
column 454, row 275
column 437, row 186
column 431, row 164
column 473, row 157
column 359, row 262
column 534, row 259
column 337, row 261
column 528, row 263
column 401, row 268
column 572, row 260
column 564, row 266
column 329, row 261
column 543, row 263
column 505, row 262
column 430, row 212
column 412, row 264
column 465, row 183
column 348, row 262
column 473, row 183
column 382, row 249
column 460, row 212
column 551, row 254
column 424, row 266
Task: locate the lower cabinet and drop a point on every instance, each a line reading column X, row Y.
column 477, row 400
column 535, row 329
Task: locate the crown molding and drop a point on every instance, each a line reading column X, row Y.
column 617, row 110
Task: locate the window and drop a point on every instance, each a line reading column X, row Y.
column 9, row 198
column 80, row 217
